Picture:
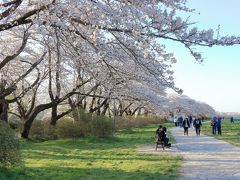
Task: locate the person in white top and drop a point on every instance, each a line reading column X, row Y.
column 175, row 121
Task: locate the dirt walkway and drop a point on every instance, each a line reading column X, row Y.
column 204, row 157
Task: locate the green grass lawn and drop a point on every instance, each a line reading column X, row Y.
column 230, row 131
column 94, row 158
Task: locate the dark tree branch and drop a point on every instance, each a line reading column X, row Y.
column 13, row 87
column 11, row 9
column 23, row 19
column 9, row 58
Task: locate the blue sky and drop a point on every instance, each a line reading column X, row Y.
column 216, row 80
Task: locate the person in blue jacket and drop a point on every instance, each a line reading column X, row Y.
column 219, row 125
column 214, row 125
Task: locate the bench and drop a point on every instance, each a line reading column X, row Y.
column 159, row 142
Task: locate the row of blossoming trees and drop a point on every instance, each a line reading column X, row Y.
column 94, row 54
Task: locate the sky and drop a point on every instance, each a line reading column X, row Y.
column 217, row 80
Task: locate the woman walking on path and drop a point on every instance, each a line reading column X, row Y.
column 186, row 125
column 197, row 124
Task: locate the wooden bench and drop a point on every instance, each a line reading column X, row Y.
column 159, row 142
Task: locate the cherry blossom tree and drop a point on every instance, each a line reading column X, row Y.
column 98, row 49
column 190, row 106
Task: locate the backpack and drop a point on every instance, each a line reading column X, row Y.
column 212, row 123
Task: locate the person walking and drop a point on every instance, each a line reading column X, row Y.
column 175, row 121
column 219, row 125
column 186, row 125
column 231, row 120
column 180, row 120
column 197, row 125
column 214, row 125
column 190, row 120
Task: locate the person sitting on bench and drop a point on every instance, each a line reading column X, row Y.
column 158, row 129
column 163, row 137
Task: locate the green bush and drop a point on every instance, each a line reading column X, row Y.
column 42, row 130
column 127, row 122
column 102, row 126
column 66, row 127
column 9, row 146
column 88, row 124
column 85, row 122
column 37, row 128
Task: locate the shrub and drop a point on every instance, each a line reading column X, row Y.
column 9, row 146
column 37, row 128
column 88, row 124
column 102, row 126
column 85, row 122
column 42, row 130
column 126, row 122
column 66, row 127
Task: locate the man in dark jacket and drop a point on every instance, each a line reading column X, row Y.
column 197, row 124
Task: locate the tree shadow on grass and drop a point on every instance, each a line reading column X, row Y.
column 63, row 173
column 47, row 155
column 128, row 140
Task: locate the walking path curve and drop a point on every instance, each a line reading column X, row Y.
column 204, row 157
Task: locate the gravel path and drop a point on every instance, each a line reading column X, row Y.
column 204, row 157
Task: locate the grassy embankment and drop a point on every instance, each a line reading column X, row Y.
column 94, row 158
column 230, row 131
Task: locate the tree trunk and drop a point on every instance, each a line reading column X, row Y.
column 42, row 107
column 28, row 124
column 74, row 108
column 3, row 110
column 106, row 106
column 54, row 115
column 91, row 105
column 135, row 110
column 99, row 107
column 84, row 103
column 139, row 111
